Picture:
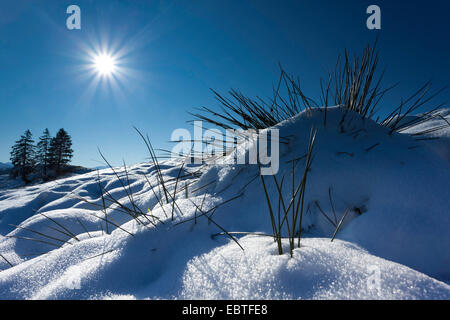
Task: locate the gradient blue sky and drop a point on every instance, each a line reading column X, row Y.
column 176, row 50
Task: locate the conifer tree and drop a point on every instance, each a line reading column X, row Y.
column 43, row 151
column 23, row 156
column 60, row 151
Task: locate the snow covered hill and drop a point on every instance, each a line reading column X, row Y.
column 59, row 241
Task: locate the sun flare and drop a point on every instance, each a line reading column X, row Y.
column 105, row 68
column 104, row 64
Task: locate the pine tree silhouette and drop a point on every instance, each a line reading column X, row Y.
column 43, row 152
column 23, row 156
column 60, row 151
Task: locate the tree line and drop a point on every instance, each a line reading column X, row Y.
column 49, row 158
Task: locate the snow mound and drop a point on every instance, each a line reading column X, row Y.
column 397, row 190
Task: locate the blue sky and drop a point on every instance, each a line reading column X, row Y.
column 174, row 51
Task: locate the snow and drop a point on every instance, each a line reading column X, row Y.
column 320, row 270
column 397, row 230
column 440, row 143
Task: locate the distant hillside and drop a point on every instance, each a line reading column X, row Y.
column 8, row 182
column 5, row 165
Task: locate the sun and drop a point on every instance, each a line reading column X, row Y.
column 105, row 64
column 105, row 68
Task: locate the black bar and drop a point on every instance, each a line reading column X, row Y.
column 242, row 309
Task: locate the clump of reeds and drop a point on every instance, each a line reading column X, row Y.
column 166, row 191
column 354, row 84
column 289, row 217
